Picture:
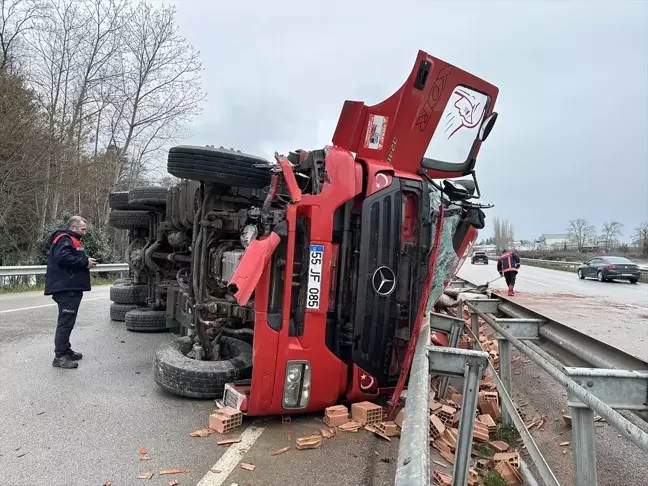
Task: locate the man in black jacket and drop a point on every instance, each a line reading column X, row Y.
column 68, row 276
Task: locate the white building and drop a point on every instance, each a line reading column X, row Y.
column 555, row 241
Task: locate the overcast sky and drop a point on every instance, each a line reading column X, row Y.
column 572, row 137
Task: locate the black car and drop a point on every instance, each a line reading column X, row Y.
column 479, row 256
column 606, row 268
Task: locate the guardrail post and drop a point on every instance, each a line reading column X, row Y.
column 474, row 324
column 505, row 374
column 474, row 372
column 470, row 365
column 453, row 342
column 584, row 449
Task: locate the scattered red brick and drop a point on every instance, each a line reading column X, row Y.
column 366, row 413
column 282, row 450
column 202, row 433
column 309, row 442
column 145, row 476
column 233, row 440
column 500, row 446
column 336, row 415
column 247, row 466
column 173, row 482
column 442, row 479
column 143, row 450
column 173, row 471
column 225, row 419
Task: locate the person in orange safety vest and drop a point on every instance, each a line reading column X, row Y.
column 508, row 265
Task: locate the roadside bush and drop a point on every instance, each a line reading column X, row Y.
column 95, row 241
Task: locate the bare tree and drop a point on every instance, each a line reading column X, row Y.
column 610, row 233
column 158, row 91
column 581, row 233
column 503, row 234
column 16, row 18
column 641, row 238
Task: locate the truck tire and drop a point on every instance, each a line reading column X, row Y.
column 176, row 373
column 129, row 219
column 221, row 166
column 148, row 196
column 118, row 311
column 143, row 320
column 118, row 200
column 129, row 294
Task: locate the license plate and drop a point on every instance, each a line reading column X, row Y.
column 315, row 276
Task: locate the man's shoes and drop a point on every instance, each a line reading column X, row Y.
column 73, row 355
column 64, row 362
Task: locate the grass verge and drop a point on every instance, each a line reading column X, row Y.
column 508, row 434
column 493, row 478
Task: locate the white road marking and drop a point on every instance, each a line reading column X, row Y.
column 534, row 282
column 44, row 305
column 228, row 461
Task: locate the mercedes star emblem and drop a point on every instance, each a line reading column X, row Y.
column 384, row 281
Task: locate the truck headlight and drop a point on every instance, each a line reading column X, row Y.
column 297, row 383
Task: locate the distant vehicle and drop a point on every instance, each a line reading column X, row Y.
column 479, row 256
column 606, row 268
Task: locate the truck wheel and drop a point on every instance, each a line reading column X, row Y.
column 143, row 320
column 118, row 200
column 148, row 196
column 128, row 294
column 221, row 166
column 129, row 219
column 180, row 375
column 118, row 311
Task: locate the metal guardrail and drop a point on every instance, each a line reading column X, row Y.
column 560, row 263
column 616, row 382
column 41, row 269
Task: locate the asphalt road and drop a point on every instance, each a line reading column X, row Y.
column 85, row 426
column 612, row 312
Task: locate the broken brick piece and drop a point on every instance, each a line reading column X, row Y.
column 233, row 440
column 336, row 415
column 309, row 442
column 488, row 421
column 282, row 450
column 437, row 428
column 352, row 426
column 202, row 433
column 488, row 403
column 286, row 419
column 327, row 433
column 448, row 456
column 442, row 479
column 173, row 482
column 247, row 466
column 366, row 413
column 399, row 417
column 388, row 429
column 145, row 476
column 480, row 432
column 447, row 415
column 513, row 458
column 435, row 406
column 225, row 419
column 173, row 471
column 500, row 446
column 509, row 473
column 568, row 420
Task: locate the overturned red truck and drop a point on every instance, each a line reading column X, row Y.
column 297, row 283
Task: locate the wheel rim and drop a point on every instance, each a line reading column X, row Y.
column 600, row 276
column 580, row 273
